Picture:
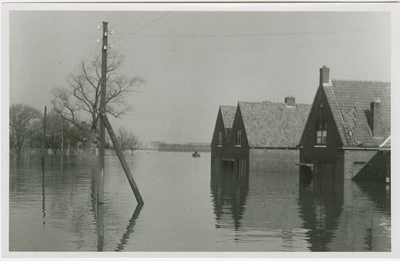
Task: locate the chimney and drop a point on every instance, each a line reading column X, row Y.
column 376, row 112
column 290, row 101
column 323, row 75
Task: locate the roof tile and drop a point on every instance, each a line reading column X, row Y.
column 228, row 115
column 270, row 124
column 350, row 104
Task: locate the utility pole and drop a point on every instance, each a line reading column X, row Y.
column 104, row 47
column 105, row 123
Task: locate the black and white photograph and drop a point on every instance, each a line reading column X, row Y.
column 199, row 130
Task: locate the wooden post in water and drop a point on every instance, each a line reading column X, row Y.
column 121, row 157
column 100, row 192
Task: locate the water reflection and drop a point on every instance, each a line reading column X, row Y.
column 55, row 208
column 229, row 188
column 43, row 195
column 100, row 227
column 300, row 210
column 343, row 215
column 320, row 201
column 129, row 229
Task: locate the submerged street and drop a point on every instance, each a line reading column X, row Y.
column 188, row 207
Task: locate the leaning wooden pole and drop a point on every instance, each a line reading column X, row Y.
column 121, row 157
column 100, row 191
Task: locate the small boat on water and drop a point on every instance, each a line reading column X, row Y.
column 196, row 154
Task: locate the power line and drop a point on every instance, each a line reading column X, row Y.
column 255, row 35
column 132, row 24
column 121, row 17
column 380, row 30
column 143, row 27
column 52, row 41
column 49, row 35
column 245, row 48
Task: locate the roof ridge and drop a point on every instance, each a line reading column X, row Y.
column 251, row 102
column 278, row 103
column 370, row 81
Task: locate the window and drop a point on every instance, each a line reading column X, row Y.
column 228, row 133
column 321, row 132
column 238, row 137
column 220, row 139
column 321, row 109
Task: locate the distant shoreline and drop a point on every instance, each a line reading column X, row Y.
column 188, row 147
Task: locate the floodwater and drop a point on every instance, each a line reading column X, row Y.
column 188, row 207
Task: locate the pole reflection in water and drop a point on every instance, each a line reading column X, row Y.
column 129, row 229
column 43, row 195
column 100, row 227
column 266, row 210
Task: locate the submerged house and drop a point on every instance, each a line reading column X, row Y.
column 348, row 130
column 259, row 131
column 222, row 130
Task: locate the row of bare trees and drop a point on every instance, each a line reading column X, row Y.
column 73, row 120
column 127, row 140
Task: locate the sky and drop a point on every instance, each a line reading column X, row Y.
column 194, row 61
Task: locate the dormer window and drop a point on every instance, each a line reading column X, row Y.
column 321, row 133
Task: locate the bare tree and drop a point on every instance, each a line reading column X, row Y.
column 81, row 95
column 133, row 142
column 58, row 132
column 122, row 137
column 127, row 140
column 22, row 125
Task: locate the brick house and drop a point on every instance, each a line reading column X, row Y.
column 348, row 130
column 260, row 130
column 222, row 132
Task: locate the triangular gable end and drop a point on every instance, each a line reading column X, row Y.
column 239, row 124
column 320, row 111
column 224, row 121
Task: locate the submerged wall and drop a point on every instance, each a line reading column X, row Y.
column 274, row 160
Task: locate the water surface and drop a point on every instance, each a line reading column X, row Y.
column 188, row 207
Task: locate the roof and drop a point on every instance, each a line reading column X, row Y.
column 270, row 124
column 228, row 115
column 350, row 103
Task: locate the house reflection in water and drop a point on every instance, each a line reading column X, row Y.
column 321, row 198
column 259, row 206
column 229, row 187
column 341, row 214
column 279, row 209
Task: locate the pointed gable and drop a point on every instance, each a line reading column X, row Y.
column 270, row 124
column 350, row 103
column 228, row 115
